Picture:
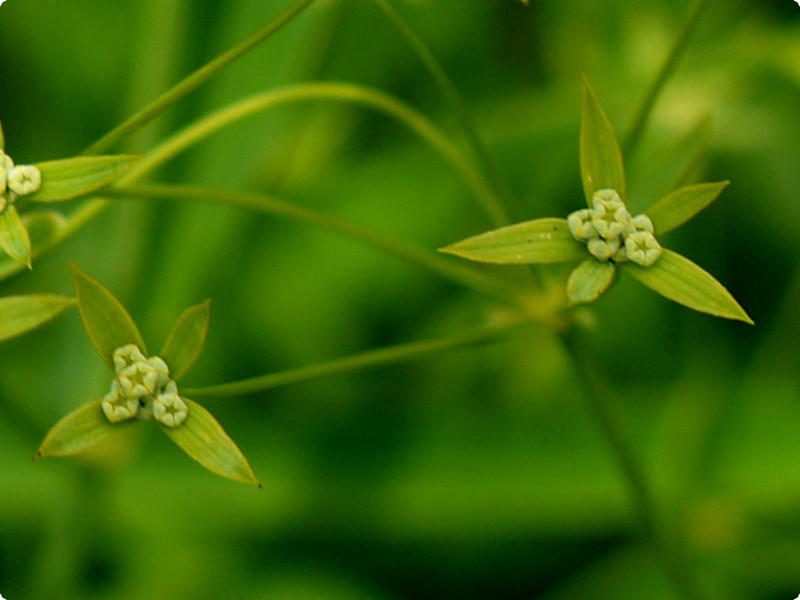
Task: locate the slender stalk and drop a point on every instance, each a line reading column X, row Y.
column 196, row 79
column 453, row 97
column 675, row 53
column 674, row 561
column 337, row 92
column 371, row 358
column 497, row 289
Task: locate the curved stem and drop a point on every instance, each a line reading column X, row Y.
column 338, row 92
column 195, row 80
column 341, row 92
column 453, row 97
column 497, row 289
column 677, row 50
column 371, row 358
column 674, row 561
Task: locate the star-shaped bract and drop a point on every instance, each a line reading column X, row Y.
column 605, row 237
column 145, row 387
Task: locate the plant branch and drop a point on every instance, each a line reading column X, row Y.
column 453, row 97
column 674, row 561
column 195, row 80
column 371, row 358
column 675, row 53
column 337, row 92
column 495, row 288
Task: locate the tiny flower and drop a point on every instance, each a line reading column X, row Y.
column 16, row 181
column 580, row 224
column 117, row 406
column 642, row 248
column 169, row 409
column 24, row 180
column 642, row 223
column 144, row 387
column 603, row 249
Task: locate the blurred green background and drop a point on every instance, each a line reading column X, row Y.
column 474, row 474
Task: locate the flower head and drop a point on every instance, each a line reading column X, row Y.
column 144, row 387
column 606, row 237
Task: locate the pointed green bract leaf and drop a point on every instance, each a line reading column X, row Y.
column 589, row 280
column 671, row 165
column 14, row 237
column 186, row 340
column 539, row 241
column 2, row 138
column 601, row 158
column 80, row 430
column 677, row 207
column 678, row 279
column 73, row 177
column 44, row 228
column 204, row 439
column 19, row 314
column 106, row 321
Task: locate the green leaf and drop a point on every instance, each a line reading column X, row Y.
column 73, row 177
column 19, row 314
column 677, row 278
column 674, row 209
column 601, row 158
column 80, row 430
column 44, row 229
column 539, row 241
column 2, row 138
column 204, row 439
column 672, row 164
column 186, row 340
column 589, row 280
column 106, row 321
column 14, row 237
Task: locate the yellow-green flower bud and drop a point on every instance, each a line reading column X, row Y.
column 642, row 223
column 580, row 225
column 24, row 180
column 117, row 407
column 643, row 248
column 169, row 408
column 603, row 249
column 143, row 389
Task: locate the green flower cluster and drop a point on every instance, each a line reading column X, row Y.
column 143, row 383
column 16, row 181
column 144, row 387
column 616, row 240
column 611, row 233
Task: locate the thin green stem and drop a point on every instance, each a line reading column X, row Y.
column 372, row 358
column 337, row 92
column 674, row 561
column 497, row 289
column 453, row 97
column 196, row 79
column 643, row 113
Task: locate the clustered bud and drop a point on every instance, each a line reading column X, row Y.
column 143, row 389
column 16, row 181
column 612, row 234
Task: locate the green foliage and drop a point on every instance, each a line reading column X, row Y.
column 424, row 426
column 75, row 177
column 19, row 314
column 107, row 323
column 145, row 388
column 601, row 158
column 613, row 237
